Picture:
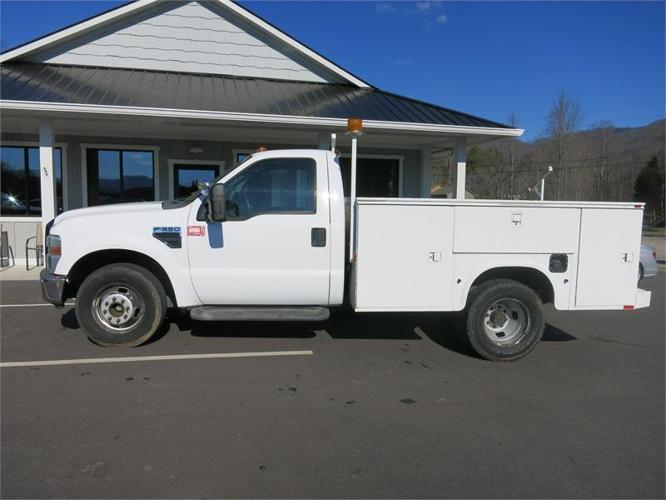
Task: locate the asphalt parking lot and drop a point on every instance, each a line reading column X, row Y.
column 384, row 406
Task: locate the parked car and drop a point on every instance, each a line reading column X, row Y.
column 648, row 264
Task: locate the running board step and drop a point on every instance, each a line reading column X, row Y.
column 259, row 313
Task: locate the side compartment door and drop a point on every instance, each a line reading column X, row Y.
column 274, row 247
column 404, row 257
column 608, row 258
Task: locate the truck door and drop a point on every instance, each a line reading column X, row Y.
column 274, row 247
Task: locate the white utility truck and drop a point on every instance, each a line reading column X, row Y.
column 268, row 241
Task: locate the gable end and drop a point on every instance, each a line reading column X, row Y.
column 200, row 36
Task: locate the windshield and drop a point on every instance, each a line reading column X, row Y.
column 244, row 160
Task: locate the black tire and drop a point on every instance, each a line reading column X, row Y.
column 495, row 305
column 145, row 296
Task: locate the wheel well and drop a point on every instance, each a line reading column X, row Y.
column 93, row 261
column 528, row 276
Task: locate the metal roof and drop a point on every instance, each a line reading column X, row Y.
column 50, row 83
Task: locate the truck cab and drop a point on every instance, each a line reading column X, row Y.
column 281, row 240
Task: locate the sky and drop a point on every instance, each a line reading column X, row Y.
column 484, row 58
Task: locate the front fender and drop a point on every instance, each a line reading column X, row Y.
column 86, row 234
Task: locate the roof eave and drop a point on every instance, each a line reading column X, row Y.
column 426, row 128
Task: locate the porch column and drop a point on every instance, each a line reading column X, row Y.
column 47, row 172
column 459, row 168
column 426, row 171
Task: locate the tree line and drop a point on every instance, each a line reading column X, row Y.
column 604, row 163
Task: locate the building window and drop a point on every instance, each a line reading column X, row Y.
column 187, row 177
column 240, row 155
column 21, row 184
column 279, row 185
column 120, row 176
column 375, row 177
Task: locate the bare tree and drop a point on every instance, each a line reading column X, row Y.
column 605, row 151
column 512, row 120
column 561, row 123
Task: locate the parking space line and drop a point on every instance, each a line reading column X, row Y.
column 41, row 304
column 172, row 357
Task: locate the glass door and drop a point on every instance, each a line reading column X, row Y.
column 375, row 177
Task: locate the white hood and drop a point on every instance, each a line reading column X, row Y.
column 119, row 209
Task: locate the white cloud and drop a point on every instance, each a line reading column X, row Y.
column 425, row 6
column 385, row 7
column 430, row 12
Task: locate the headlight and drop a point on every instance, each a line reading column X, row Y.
column 53, row 252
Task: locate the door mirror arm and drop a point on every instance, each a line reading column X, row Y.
column 216, row 203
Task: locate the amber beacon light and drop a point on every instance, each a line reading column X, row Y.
column 355, row 127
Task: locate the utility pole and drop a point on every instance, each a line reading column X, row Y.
column 542, row 192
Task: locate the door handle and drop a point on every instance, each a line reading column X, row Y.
column 318, row 237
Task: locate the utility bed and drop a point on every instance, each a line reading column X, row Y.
column 425, row 254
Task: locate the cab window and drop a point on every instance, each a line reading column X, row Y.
column 277, row 185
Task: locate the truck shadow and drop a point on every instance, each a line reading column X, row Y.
column 448, row 331
column 342, row 324
column 444, row 329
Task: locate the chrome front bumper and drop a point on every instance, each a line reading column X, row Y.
column 53, row 287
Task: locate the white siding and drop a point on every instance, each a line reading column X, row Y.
column 189, row 37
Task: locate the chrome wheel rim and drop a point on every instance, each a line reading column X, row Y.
column 506, row 321
column 118, row 308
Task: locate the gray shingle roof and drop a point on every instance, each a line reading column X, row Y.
column 23, row 81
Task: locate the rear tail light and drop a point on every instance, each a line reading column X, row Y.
column 654, row 254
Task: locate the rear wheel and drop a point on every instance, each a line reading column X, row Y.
column 120, row 305
column 504, row 320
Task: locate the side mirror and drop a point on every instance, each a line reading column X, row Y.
column 216, row 203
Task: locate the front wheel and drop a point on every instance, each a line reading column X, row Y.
column 504, row 320
column 120, row 305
